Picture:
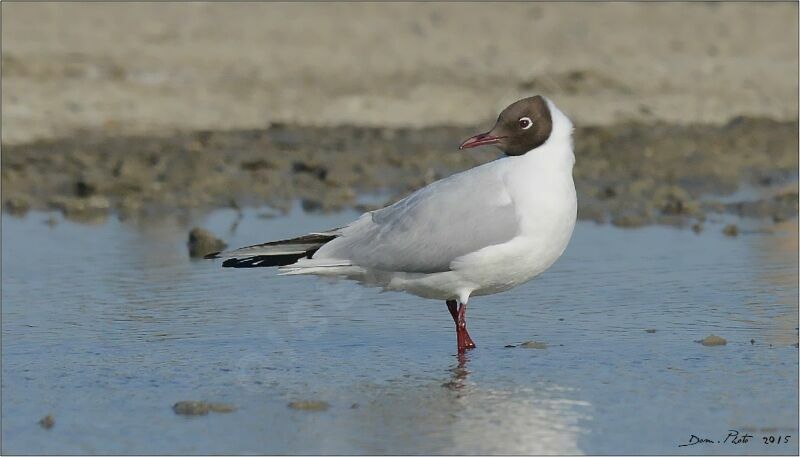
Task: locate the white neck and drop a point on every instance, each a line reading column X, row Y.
column 562, row 126
column 557, row 150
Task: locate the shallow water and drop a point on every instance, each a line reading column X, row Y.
column 106, row 326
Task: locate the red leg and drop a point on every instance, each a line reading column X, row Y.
column 462, row 312
column 452, row 306
column 460, row 318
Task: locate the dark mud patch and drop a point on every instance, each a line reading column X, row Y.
column 309, row 405
column 201, row 408
column 630, row 175
column 47, row 422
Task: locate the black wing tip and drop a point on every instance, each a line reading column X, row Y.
column 262, row 261
column 274, row 260
column 232, row 263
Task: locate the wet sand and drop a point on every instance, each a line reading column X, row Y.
column 686, row 111
column 629, row 175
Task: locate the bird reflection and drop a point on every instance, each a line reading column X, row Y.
column 460, row 373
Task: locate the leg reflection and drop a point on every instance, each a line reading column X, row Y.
column 460, row 373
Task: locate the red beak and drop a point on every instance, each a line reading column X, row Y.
column 480, row 140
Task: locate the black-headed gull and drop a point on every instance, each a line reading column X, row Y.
column 478, row 232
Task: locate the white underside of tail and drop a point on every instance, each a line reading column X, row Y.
column 324, row 267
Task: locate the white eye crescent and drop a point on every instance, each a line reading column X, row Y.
column 525, row 123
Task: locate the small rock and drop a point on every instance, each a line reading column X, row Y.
column 697, row 228
column 607, row 193
column 191, row 408
column 509, row 346
column 355, row 406
column 731, row 230
column 318, row 171
column 752, row 341
column 47, row 422
column 309, row 405
column 84, row 188
column 650, row 330
column 201, row 408
column 533, row 345
column 202, row 242
column 713, row 340
column 674, row 200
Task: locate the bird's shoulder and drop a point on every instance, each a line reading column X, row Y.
column 458, row 195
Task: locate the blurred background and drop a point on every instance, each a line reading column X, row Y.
column 139, row 67
column 138, row 136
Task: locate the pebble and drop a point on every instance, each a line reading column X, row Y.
column 731, row 230
column 533, row 345
column 47, row 422
column 309, row 405
column 201, row 408
column 713, row 340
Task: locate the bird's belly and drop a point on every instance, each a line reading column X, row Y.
column 531, row 253
column 498, row 277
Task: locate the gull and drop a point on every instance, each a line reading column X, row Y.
column 478, row 232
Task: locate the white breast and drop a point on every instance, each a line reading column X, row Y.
column 541, row 188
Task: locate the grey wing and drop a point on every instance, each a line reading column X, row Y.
column 426, row 231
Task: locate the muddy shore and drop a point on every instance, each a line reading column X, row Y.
column 139, row 109
column 630, row 174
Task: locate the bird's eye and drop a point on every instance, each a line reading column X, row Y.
column 525, row 123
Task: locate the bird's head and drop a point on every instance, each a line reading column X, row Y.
column 523, row 126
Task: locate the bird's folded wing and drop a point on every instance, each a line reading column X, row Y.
column 299, row 245
column 426, row 231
